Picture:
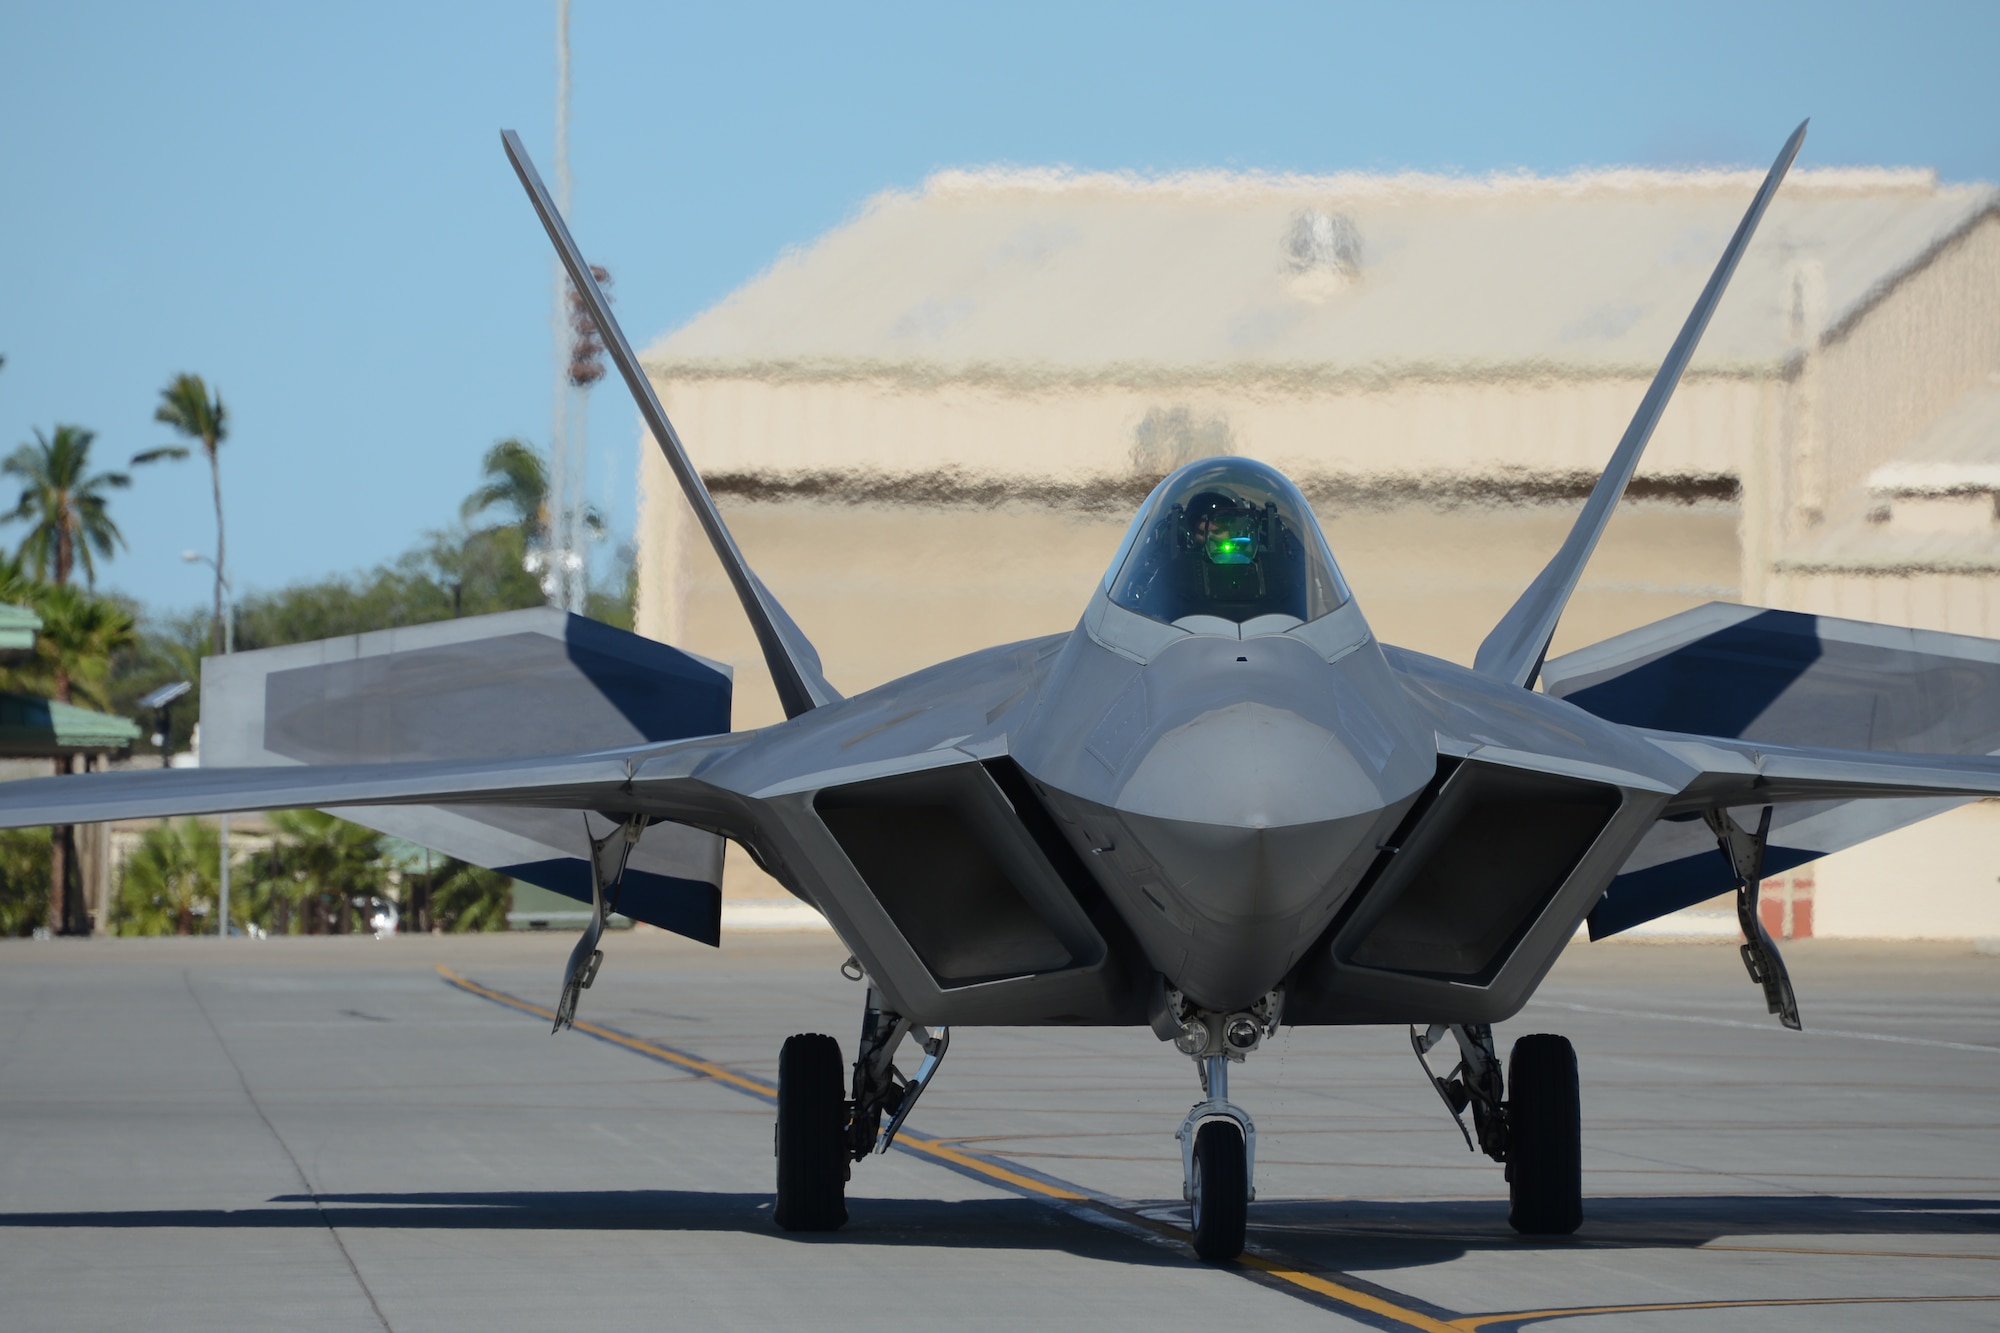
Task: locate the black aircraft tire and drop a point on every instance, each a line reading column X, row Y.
column 1544, row 1137
column 1221, row 1207
column 812, row 1135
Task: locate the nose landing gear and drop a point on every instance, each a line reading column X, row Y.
column 1219, row 1139
column 1218, row 1163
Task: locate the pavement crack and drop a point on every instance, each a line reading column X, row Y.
column 305, row 1183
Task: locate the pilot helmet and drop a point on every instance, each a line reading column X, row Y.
column 1223, row 528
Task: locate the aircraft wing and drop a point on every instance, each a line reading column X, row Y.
column 561, row 782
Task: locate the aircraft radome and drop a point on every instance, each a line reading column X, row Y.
column 1216, row 805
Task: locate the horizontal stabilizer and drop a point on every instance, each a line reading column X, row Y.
column 1784, row 678
column 528, row 682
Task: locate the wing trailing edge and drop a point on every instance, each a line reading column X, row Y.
column 1513, row 652
column 793, row 662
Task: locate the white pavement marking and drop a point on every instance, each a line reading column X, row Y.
column 1764, row 1027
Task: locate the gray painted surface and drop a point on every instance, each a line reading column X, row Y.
column 171, row 1107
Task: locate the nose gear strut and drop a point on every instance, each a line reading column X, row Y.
column 1218, row 1138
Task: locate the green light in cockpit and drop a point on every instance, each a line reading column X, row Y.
column 1229, row 548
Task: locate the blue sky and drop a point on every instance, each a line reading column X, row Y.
column 308, row 204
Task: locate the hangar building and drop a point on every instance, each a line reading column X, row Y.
column 929, row 426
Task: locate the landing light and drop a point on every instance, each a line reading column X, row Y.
column 1242, row 1032
column 1193, row 1038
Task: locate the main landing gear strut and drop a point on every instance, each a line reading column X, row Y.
column 823, row 1128
column 1218, row 1138
column 1537, row 1133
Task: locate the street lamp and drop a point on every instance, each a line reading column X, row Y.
column 161, row 701
column 228, row 646
column 228, row 598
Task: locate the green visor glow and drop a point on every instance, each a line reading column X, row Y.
column 1231, row 548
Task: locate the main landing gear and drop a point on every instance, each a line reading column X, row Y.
column 1537, row 1133
column 1218, row 1139
column 822, row 1130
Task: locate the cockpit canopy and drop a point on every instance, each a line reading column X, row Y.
column 1229, row 538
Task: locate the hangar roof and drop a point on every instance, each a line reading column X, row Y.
column 1099, row 275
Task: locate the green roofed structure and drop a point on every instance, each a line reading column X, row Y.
column 32, row 728
column 18, row 626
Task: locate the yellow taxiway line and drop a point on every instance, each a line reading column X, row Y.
column 929, row 1147
column 1472, row 1323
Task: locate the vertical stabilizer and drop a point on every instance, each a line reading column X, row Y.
column 794, row 665
column 1513, row 652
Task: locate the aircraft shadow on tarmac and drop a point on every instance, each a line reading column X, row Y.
column 1012, row 1224
column 1393, row 1233
column 1409, row 1234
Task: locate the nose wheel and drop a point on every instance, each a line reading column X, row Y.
column 1218, row 1157
column 1219, row 1191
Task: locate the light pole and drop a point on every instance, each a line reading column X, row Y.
column 228, row 646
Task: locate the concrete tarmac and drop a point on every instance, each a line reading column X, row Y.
column 331, row 1134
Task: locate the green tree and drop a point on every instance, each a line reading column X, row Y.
column 170, row 880
column 64, row 504
column 24, row 880
column 466, row 897
column 189, row 408
column 81, row 633
column 453, row 573
column 317, row 870
column 516, row 480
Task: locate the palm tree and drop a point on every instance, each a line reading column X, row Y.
column 171, row 879
column 73, row 650
column 322, row 864
column 80, row 634
column 465, row 897
column 65, row 504
column 517, row 480
column 188, row 407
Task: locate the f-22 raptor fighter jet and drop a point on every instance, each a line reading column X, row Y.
column 1216, row 805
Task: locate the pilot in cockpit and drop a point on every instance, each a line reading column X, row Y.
column 1228, row 539
column 1224, row 535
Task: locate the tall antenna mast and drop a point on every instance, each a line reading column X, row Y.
column 562, row 574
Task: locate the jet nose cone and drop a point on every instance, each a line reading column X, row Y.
column 1251, row 765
